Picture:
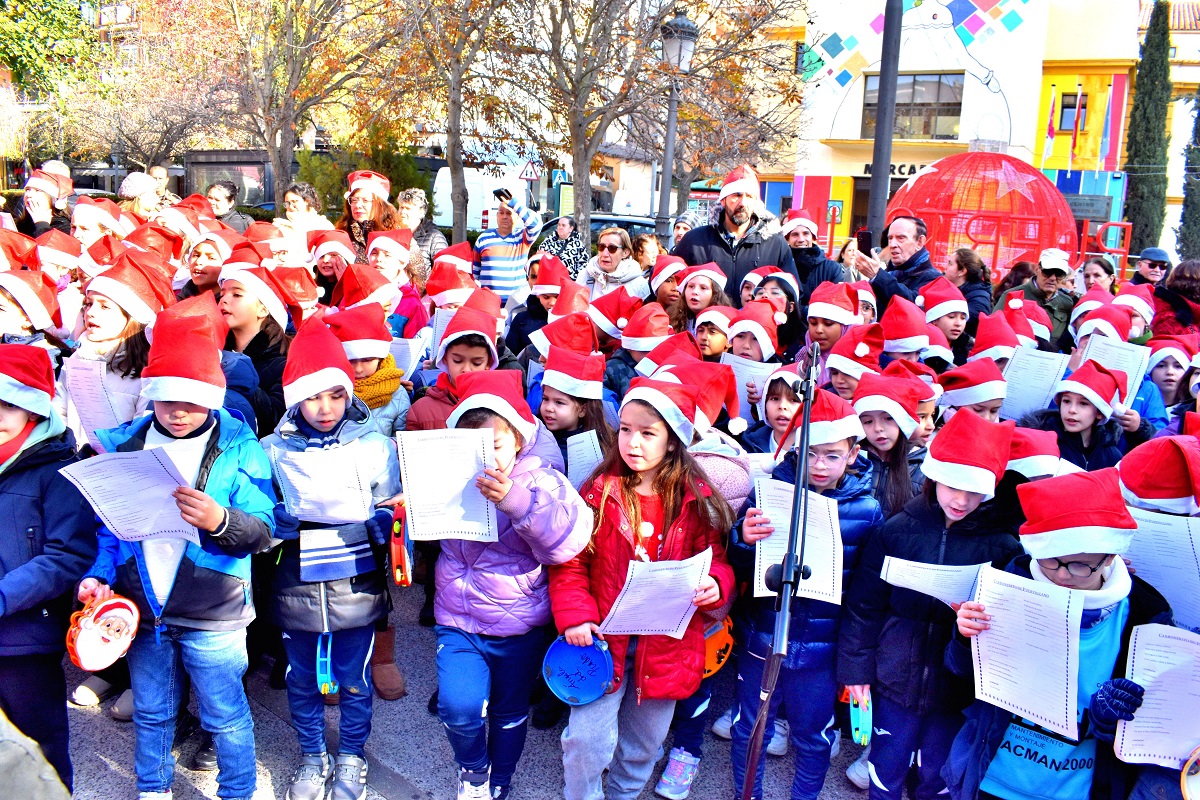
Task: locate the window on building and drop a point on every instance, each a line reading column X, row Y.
column 1072, row 104
column 927, row 106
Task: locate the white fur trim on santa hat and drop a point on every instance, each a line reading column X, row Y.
column 716, row 318
column 831, row 312
column 370, row 186
column 43, row 185
column 675, row 418
column 314, row 383
column 27, row 299
column 451, row 338
column 123, row 296
column 539, row 341
column 1100, row 326
column 964, row 477
column 1185, row 506
column 1160, row 355
column 1025, row 341
column 879, row 402
column 642, row 344
column 451, row 296
column 1105, row 407
column 1039, row 330
column 908, row 344
column 1034, row 466
column 261, row 291
column 604, row 323
column 1083, row 539
column 545, row 288
column 1138, row 304
column 174, row 218
column 759, row 333
column 497, row 405
column 1083, row 307
column 48, row 255
column 461, row 264
column 979, row 393
column 716, row 276
column 390, row 245
column 798, row 222
column 94, row 213
column 648, row 366
column 847, row 366
column 948, row 307
column 366, row 348
column 387, row 295
column 35, row 401
column 995, row 353
column 175, row 389
column 673, row 268
column 745, row 184
column 336, row 248
column 576, row 387
column 837, row 430
column 937, row 351
column 868, row 297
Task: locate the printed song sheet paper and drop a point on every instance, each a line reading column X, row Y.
column 583, row 456
column 408, row 352
column 822, row 549
column 656, row 599
column 131, row 493
column 91, row 401
column 441, row 318
column 746, row 371
column 1165, row 661
column 1165, row 551
column 1132, row 359
column 439, row 470
column 950, row 584
column 1034, row 632
column 326, row 486
column 1031, row 376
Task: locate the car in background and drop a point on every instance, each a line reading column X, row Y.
column 633, row 224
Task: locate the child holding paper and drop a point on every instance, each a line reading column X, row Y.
column 467, row 346
column 855, row 354
column 887, row 408
column 775, row 432
column 365, row 338
column 652, row 503
column 492, row 597
column 839, row 470
column 892, row 640
column 195, row 600
column 330, row 583
column 1009, row 757
column 572, row 392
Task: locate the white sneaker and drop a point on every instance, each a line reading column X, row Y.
column 470, row 789
column 92, row 692
column 778, row 745
column 837, row 743
column 723, row 727
column 858, row 773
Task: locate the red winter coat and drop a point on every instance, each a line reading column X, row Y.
column 1174, row 314
column 585, row 588
column 431, row 411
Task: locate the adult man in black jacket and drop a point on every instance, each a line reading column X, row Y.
column 909, row 266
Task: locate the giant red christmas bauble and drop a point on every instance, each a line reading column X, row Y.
column 997, row 205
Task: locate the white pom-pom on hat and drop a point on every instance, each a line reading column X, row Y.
column 1016, row 302
column 737, row 426
column 861, row 350
column 920, row 301
column 779, row 317
column 622, row 322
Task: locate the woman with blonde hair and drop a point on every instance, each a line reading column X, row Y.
column 612, row 266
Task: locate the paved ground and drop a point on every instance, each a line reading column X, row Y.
column 410, row 757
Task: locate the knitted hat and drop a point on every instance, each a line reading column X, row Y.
column 156, row 238
column 1033, row 453
column 857, row 352
column 575, row 374
column 978, row 381
column 741, row 179
column 720, row 316
column 136, row 285
column 1092, row 299
column 184, row 363
column 460, row 256
column 647, row 328
column 1139, row 297
column 323, row 243
column 1113, row 321
column 969, row 454
column 760, row 319
column 20, row 251
column 448, row 285
column 59, row 187
column 1014, row 315
column 1182, row 348
column 1100, row 386
column 261, row 283
column 903, row 327
column 939, row 345
column 552, row 275
column 866, row 294
column 683, row 343
column 200, row 305
column 674, row 402
column 136, row 184
column 573, row 332
column 711, row 270
column 267, row 234
column 798, row 218
column 370, row 182
column 716, row 388
column 994, row 338
column 465, row 322
column 103, row 253
column 903, row 368
column 222, row 241
column 363, row 331
column 100, row 210
column 571, row 298
column 1162, row 475
column 360, row 284
column 497, row 391
column 27, row 378
column 37, row 295
column 755, row 276
column 1039, row 320
column 59, row 249
column 1055, row 528
column 316, row 363
column 664, row 267
column 940, row 297
column 397, row 242
column 897, row 397
column 836, row 302
column 613, row 311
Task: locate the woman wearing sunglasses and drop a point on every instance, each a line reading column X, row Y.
column 612, row 266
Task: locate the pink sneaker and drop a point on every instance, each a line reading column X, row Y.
column 676, row 780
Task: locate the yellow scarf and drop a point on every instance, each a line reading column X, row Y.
column 377, row 390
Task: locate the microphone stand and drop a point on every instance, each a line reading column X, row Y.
column 785, row 578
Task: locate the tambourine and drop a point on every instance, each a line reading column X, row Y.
column 860, row 721
column 718, row 646
column 578, row 675
column 102, row 632
column 399, row 549
column 1189, row 777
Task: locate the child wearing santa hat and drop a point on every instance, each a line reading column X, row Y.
column 330, row 252
column 1170, row 361
column 652, row 503
column 327, row 587
column 30, row 314
column 855, row 354
column 194, row 598
column 888, row 409
column 700, row 287
column 783, row 291
column 712, row 331
column 572, row 399
column 893, row 640
column 647, row 328
column 400, row 261
column 366, row 339
column 547, row 278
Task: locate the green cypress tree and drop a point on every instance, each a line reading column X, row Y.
column 1146, row 147
column 1187, row 235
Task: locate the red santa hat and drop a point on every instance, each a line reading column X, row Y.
column 978, row 381
column 103, row 253
column 832, row 419
column 939, row 345
column 266, row 234
column 361, row 284
column 720, row 316
column 866, row 294
column 760, row 319
column 903, row 368
column 674, row 402
column 1113, row 321
column 298, row 284
column 27, row 378
column 136, row 285
column 573, row 332
column 199, row 204
column 969, row 454
column 323, row 243
column 316, row 363
column 200, row 305
column 180, row 219
column 575, row 374
column 1054, row 528
column 222, row 241
column 497, row 391
column 857, row 352
column 460, row 256
column 59, row 187
column 552, row 275
column 742, row 180
column 571, row 298
column 715, row 384
column 100, row 210
column 1139, row 297
column 994, row 338
column 1014, row 315
column 370, row 182
column 58, row 248
column 1182, row 348
column 836, row 302
column 710, row 270
column 664, row 267
column 37, row 295
column 1162, row 475
column 682, row 343
column 775, row 273
column 940, row 297
column 647, row 328
column 1039, row 320
column 485, row 300
column 19, row 250
column 798, row 218
column 184, row 362
column 156, row 238
column 1092, row 299
column 896, row 397
column 448, row 285
column 612, row 312
column 1033, row 453
column 1100, row 386
column 363, row 331
column 755, row 276
column 397, row 242
column 261, row 283
column 465, row 322
column 903, row 327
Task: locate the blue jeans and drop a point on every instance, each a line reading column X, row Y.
column 351, row 662
column 902, row 738
column 808, row 696
column 691, row 716
column 483, row 696
column 216, row 662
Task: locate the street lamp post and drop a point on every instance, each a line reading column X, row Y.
column 679, row 35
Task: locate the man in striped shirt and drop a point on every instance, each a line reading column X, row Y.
column 502, row 253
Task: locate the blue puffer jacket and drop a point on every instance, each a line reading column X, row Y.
column 757, row 439
column 212, row 587
column 47, row 542
column 619, row 373
column 812, row 638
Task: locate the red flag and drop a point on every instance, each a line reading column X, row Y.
column 1051, row 127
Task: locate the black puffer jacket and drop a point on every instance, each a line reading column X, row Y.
column 706, row 243
column 895, row 639
column 905, row 280
column 1106, row 448
column 979, row 301
column 814, row 268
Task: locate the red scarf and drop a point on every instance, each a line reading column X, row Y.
column 445, row 384
column 14, row 445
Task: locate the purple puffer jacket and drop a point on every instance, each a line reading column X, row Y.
column 500, row 588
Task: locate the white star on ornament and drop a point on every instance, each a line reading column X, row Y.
column 1010, row 180
column 926, row 170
